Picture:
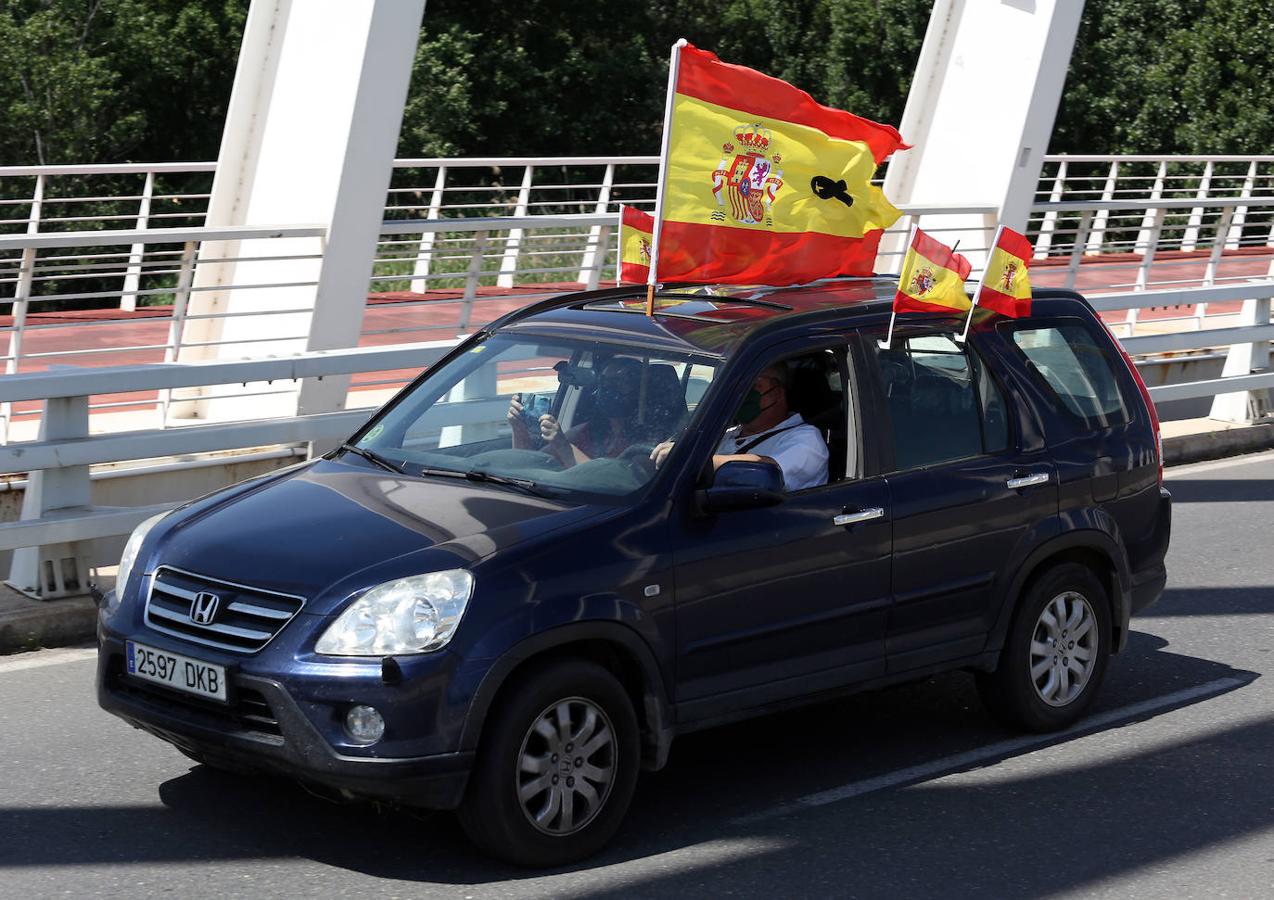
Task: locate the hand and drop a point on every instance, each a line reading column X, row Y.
column 515, row 408
column 660, row 453
column 550, row 430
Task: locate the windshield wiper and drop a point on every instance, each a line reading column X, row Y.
column 484, row 477
column 525, row 484
column 374, row 457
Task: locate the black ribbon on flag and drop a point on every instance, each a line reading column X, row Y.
column 826, row 189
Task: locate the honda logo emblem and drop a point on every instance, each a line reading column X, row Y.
column 204, row 609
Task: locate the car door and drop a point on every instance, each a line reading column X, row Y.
column 1098, row 431
column 784, row 600
column 964, row 494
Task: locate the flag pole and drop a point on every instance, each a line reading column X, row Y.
column 964, row 335
column 619, row 248
column 674, row 64
column 893, row 315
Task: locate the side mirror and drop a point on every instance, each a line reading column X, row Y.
column 743, row 485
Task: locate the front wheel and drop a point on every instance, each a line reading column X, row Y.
column 556, row 768
column 1055, row 656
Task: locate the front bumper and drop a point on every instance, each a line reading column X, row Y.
column 263, row 729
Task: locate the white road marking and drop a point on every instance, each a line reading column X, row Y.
column 1194, row 468
column 42, row 658
column 970, row 758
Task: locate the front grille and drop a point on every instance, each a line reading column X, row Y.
column 244, row 619
column 248, row 709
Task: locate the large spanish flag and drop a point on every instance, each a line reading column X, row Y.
column 1006, row 286
column 764, row 185
column 636, row 233
column 932, row 278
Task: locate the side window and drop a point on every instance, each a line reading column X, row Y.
column 698, row 378
column 1077, row 369
column 807, row 433
column 943, row 403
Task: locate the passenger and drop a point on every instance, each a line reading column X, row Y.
column 768, row 431
column 606, row 432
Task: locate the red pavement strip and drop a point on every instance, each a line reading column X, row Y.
column 439, row 316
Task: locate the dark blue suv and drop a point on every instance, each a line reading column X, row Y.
column 587, row 531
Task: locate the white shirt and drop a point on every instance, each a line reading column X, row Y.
column 797, row 447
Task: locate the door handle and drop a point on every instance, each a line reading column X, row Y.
column 1022, row 481
column 863, row 515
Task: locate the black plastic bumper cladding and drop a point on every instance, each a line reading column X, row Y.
column 270, row 734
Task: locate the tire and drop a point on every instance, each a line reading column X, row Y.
column 1042, row 684
column 525, row 758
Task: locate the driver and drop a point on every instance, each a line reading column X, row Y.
column 606, row 432
column 768, row 431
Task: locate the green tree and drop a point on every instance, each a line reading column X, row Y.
column 551, row 77
column 112, row 80
column 1170, row 76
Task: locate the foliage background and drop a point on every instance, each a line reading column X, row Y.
column 148, row 80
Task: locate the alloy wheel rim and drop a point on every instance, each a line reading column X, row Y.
column 1063, row 649
column 566, row 766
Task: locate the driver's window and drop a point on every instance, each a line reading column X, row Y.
column 796, row 412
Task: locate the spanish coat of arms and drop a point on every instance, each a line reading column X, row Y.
column 750, row 182
column 1007, row 276
column 922, row 282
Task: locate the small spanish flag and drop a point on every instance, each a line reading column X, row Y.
column 932, row 278
column 1006, row 287
column 636, row 232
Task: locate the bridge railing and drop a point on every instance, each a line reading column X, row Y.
column 42, row 273
column 1161, row 204
column 60, row 457
column 456, row 249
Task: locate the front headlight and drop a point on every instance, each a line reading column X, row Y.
column 411, row 615
column 129, row 556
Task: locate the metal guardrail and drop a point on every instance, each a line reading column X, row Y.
column 55, row 518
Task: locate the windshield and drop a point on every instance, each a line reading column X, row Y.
column 560, row 416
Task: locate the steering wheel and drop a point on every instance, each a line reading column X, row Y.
column 638, row 457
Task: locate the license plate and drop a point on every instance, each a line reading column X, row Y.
column 179, row 672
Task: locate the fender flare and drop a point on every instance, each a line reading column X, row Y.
column 1086, row 539
column 656, row 704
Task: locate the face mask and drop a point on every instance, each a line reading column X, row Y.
column 751, row 407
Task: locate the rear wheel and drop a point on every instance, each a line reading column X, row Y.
column 556, row 768
column 1056, row 653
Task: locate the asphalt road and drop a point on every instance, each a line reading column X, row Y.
column 913, row 792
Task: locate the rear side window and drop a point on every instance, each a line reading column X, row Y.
column 943, row 404
column 1078, row 370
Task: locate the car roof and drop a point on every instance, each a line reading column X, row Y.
column 711, row 319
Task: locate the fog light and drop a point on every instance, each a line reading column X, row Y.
column 364, row 724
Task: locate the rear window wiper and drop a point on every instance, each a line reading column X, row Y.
column 374, row 457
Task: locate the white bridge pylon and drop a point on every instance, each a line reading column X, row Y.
column 310, row 136
column 979, row 116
